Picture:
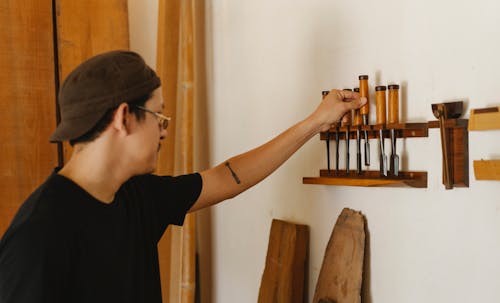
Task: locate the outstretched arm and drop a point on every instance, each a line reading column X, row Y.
column 239, row 173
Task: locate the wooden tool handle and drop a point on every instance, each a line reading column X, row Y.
column 347, row 119
column 363, row 92
column 444, row 146
column 380, row 100
column 357, row 119
column 393, row 103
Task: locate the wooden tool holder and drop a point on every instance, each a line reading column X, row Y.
column 481, row 120
column 416, row 179
column 457, row 147
column 458, row 150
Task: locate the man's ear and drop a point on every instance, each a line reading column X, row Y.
column 122, row 119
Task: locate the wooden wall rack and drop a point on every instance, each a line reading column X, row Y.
column 485, row 119
column 416, row 179
column 457, row 150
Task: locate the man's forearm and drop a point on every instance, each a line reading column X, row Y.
column 245, row 170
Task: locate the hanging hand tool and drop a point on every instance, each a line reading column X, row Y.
column 365, row 112
column 444, row 111
column 345, row 121
column 380, row 101
column 357, row 121
column 394, row 118
column 324, row 94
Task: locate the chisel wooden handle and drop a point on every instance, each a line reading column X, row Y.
column 363, row 92
column 393, row 103
column 380, row 100
column 394, row 118
column 356, row 116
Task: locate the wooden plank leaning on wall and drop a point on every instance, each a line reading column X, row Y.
column 176, row 69
column 284, row 277
column 87, row 28
column 27, row 96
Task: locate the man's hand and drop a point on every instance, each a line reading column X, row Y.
column 334, row 106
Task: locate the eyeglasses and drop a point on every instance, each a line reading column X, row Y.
column 163, row 120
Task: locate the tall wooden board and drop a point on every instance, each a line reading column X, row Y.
column 340, row 278
column 27, row 101
column 87, row 28
column 284, row 275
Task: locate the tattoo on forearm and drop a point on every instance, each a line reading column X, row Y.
column 233, row 173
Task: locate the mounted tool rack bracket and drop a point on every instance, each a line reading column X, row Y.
column 416, row 179
column 454, row 143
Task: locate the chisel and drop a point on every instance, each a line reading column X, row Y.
column 324, row 94
column 380, row 100
column 357, row 121
column 394, row 118
column 347, row 118
column 346, row 121
column 365, row 112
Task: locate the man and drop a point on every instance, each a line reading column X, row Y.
column 90, row 232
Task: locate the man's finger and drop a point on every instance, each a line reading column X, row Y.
column 356, row 103
column 346, row 94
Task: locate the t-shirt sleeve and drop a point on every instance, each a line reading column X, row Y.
column 170, row 198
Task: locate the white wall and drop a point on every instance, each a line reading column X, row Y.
column 269, row 61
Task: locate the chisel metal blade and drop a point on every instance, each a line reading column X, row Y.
column 383, row 157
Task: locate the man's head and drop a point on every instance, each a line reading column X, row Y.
column 93, row 91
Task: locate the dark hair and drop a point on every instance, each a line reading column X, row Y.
column 104, row 122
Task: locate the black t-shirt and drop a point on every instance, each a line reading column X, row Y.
column 65, row 246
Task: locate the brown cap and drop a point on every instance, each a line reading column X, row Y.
column 97, row 85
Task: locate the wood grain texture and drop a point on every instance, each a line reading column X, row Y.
column 176, row 68
column 340, row 278
column 88, row 28
column 487, row 169
column 284, row 274
column 484, row 119
column 167, row 67
column 27, row 96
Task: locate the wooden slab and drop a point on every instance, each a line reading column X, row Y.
column 284, row 275
column 88, row 28
column 340, row 278
column 484, row 118
column 27, row 99
column 487, row 169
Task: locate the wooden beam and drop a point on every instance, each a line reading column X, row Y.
column 284, row 274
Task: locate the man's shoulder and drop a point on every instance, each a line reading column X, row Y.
column 41, row 211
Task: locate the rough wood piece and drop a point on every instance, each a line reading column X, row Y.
column 27, row 99
column 340, row 278
column 487, row 169
column 284, row 275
